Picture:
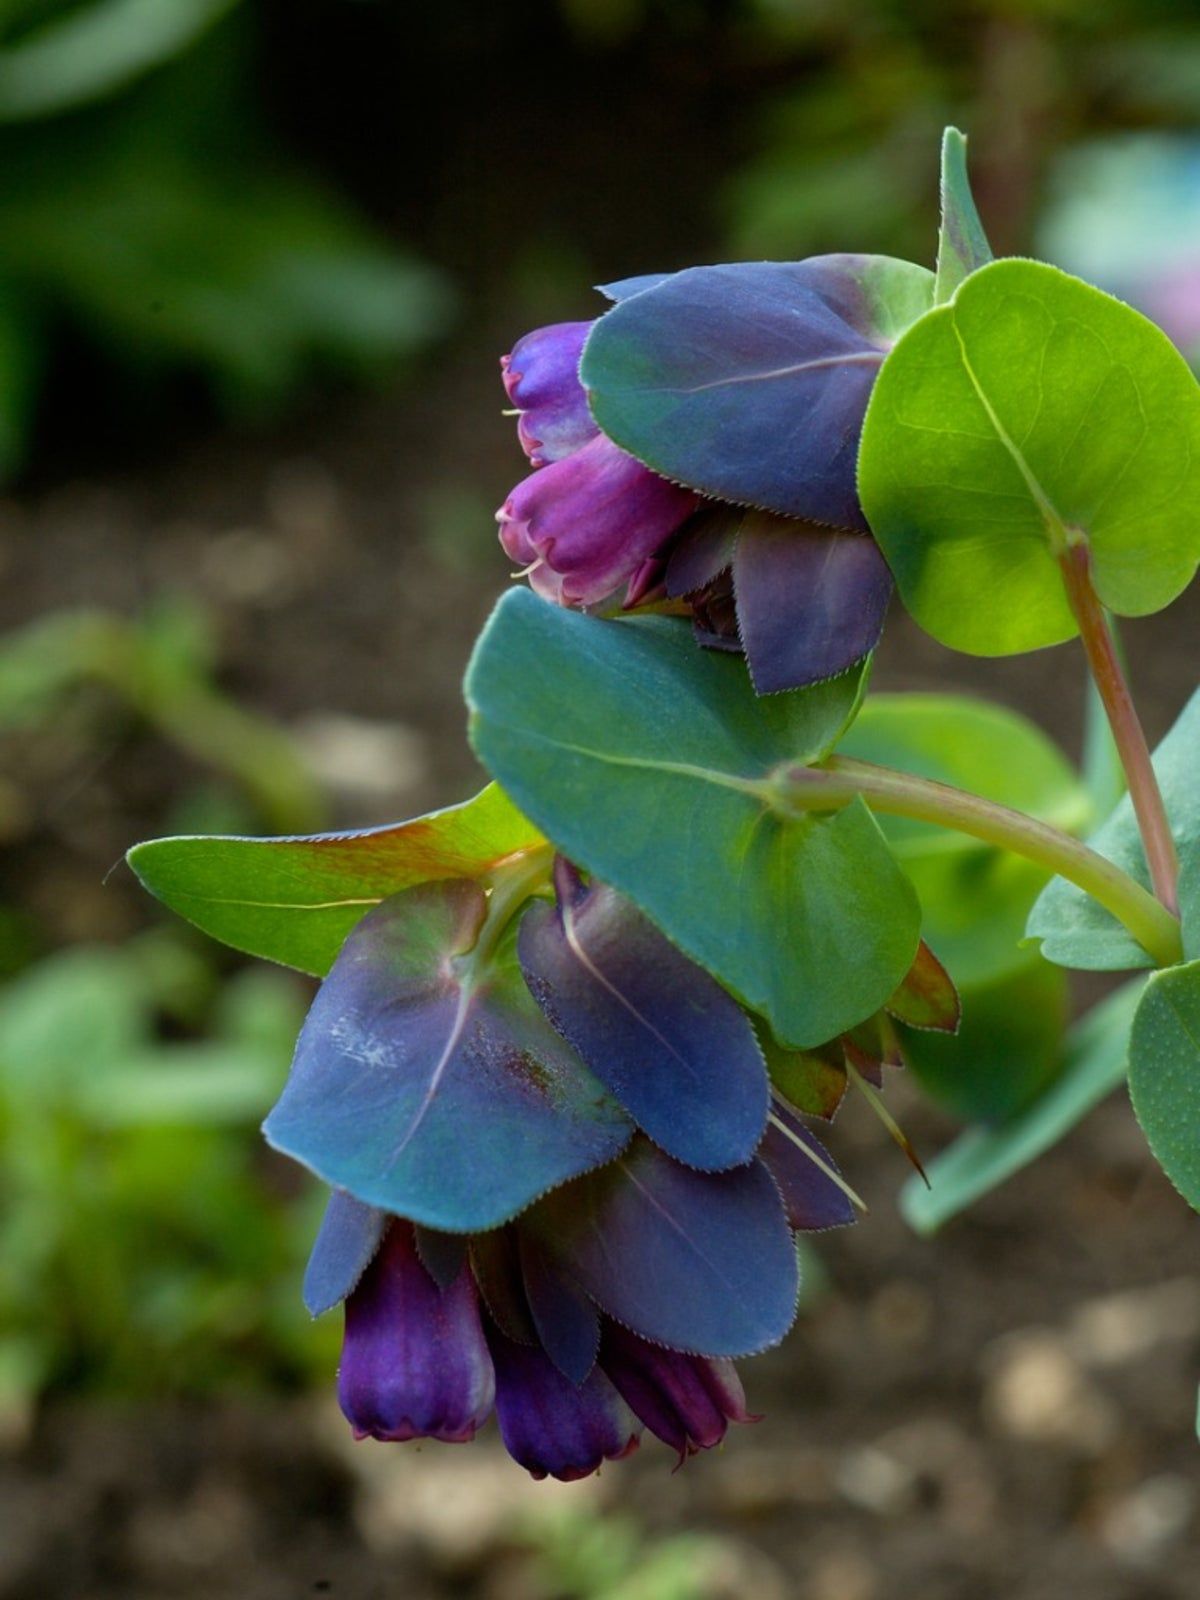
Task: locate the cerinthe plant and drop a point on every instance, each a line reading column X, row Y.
column 558, row 1072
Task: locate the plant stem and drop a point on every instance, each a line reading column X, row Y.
column 511, row 884
column 1105, row 663
column 839, row 778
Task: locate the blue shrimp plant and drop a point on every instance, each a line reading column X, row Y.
column 572, row 1035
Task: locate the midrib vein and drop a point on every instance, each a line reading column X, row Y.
column 1055, row 524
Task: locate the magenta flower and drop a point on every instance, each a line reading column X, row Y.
column 686, row 1401
column 592, row 518
column 586, row 524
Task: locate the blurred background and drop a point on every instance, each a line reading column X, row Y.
column 257, row 262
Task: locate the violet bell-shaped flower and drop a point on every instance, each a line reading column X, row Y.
column 591, row 517
column 541, row 378
column 415, row 1363
column 551, row 1426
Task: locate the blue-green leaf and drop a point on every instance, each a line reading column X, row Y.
column 1077, row 932
column 650, row 763
column 1164, row 1074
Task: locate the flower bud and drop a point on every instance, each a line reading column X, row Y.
column 687, row 1401
column 551, row 1426
column 541, row 378
column 415, row 1363
column 585, row 525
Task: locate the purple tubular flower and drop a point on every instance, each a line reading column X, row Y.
column 586, row 524
column 415, row 1364
column 541, row 378
column 550, row 1426
column 686, row 1401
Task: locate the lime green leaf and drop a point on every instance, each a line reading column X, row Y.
column 981, row 1160
column 1164, row 1074
column 1030, row 412
column 649, row 763
column 962, row 243
column 1074, row 930
column 295, row 900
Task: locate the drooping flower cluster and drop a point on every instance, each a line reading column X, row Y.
column 662, row 468
column 590, row 519
column 429, row 1359
column 561, row 1188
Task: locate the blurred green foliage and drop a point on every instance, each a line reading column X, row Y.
column 842, row 149
column 145, row 1242
column 141, row 1247
column 145, row 211
column 161, row 668
column 582, row 1555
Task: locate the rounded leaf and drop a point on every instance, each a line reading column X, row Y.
column 1030, row 412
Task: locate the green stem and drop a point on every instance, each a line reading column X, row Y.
column 510, row 884
column 1105, row 662
column 840, row 778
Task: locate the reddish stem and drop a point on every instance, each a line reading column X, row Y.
column 1105, row 662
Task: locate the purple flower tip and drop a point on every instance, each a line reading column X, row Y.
column 415, row 1364
column 587, row 524
column 552, row 1427
column 686, row 1401
column 541, row 378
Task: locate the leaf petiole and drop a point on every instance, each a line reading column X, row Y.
column 837, row 780
column 1113, row 688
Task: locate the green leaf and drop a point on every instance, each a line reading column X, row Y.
column 1164, row 1074
column 650, row 763
column 975, row 898
column 1189, row 904
column 295, row 900
column 1030, row 413
column 981, row 1160
column 1077, row 932
column 962, row 243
